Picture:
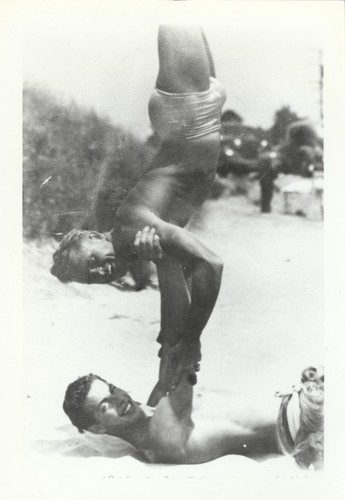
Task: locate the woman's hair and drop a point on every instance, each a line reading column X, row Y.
column 307, row 447
column 62, row 268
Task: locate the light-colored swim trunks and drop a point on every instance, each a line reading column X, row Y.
column 188, row 115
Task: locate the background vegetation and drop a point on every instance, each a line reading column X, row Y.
column 78, row 166
column 69, row 155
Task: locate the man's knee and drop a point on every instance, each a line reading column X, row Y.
column 217, row 264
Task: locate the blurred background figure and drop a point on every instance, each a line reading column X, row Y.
column 268, row 172
column 300, row 154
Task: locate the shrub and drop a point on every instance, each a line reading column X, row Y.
column 74, row 163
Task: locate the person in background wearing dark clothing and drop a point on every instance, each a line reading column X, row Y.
column 300, row 154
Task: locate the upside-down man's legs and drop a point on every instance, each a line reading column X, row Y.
column 183, row 60
column 185, row 66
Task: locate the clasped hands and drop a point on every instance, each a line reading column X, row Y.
column 185, row 359
column 147, row 245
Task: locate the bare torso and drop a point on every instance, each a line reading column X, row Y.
column 248, row 430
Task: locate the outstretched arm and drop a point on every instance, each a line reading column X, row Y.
column 205, row 269
column 175, row 305
column 203, row 266
column 171, row 425
column 185, row 312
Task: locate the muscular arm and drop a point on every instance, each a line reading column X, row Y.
column 185, row 312
column 171, row 426
column 205, row 270
column 204, row 267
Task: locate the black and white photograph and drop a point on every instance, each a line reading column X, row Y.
column 178, row 319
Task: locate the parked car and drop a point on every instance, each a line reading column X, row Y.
column 239, row 148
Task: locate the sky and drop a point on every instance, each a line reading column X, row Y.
column 267, row 55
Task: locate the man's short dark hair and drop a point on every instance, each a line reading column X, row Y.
column 74, row 403
column 62, row 268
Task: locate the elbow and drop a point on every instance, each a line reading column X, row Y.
column 216, row 265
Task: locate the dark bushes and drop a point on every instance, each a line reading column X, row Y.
column 77, row 168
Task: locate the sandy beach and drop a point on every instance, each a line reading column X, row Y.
column 266, row 327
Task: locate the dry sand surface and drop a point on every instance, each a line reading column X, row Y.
column 266, row 327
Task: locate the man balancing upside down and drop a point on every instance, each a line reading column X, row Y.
column 184, row 109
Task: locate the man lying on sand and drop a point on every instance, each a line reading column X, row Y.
column 172, row 433
column 185, row 110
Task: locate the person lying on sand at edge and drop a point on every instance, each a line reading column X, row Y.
column 172, row 433
column 185, row 110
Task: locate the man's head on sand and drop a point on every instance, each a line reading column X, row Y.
column 94, row 405
column 86, row 257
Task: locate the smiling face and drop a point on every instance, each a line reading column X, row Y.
column 113, row 409
column 93, row 260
